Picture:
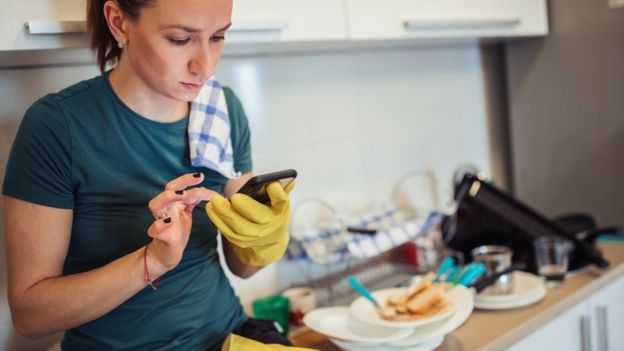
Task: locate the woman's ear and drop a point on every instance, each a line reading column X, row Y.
column 117, row 22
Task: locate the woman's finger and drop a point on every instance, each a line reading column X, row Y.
column 185, row 181
column 196, row 195
column 160, row 204
column 251, row 209
column 160, row 229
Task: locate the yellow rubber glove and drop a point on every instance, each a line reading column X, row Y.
column 235, row 342
column 258, row 232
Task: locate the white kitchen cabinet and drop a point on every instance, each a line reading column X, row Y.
column 606, row 309
column 426, row 19
column 66, row 15
column 569, row 331
column 592, row 325
column 287, row 21
column 277, row 22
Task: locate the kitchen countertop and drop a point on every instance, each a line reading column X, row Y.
column 495, row 330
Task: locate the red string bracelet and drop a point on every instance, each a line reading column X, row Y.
column 148, row 280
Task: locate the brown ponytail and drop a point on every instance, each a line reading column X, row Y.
column 102, row 41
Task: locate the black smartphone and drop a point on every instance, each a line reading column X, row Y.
column 256, row 185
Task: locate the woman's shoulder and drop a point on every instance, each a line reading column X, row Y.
column 51, row 108
column 234, row 105
column 74, row 91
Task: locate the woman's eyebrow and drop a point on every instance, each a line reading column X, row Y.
column 190, row 29
column 224, row 28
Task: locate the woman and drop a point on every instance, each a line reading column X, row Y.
column 102, row 232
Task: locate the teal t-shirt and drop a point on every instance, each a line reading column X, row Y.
column 83, row 149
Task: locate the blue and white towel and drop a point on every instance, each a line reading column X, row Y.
column 209, row 131
column 330, row 245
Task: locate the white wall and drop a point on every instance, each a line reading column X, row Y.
column 352, row 123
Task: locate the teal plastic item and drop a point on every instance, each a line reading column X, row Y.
column 355, row 284
column 472, row 274
column 611, row 238
column 454, row 273
column 446, row 264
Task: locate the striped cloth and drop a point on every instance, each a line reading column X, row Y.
column 209, row 131
column 329, row 245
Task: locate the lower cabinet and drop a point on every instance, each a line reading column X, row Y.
column 606, row 309
column 592, row 325
column 570, row 332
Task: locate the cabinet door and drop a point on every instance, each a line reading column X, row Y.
column 607, row 311
column 569, row 332
column 14, row 35
column 399, row 19
column 287, row 20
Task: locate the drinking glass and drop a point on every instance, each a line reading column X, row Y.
column 551, row 258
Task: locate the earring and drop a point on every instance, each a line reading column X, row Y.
column 120, row 45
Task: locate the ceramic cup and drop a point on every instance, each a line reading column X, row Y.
column 302, row 301
column 497, row 259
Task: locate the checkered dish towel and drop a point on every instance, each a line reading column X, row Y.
column 209, row 131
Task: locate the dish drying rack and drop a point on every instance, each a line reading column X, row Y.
column 324, row 256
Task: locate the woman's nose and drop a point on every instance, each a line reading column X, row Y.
column 203, row 64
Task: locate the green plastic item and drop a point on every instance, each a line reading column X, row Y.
column 275, row 308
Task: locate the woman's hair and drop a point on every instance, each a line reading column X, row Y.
column 102, row 41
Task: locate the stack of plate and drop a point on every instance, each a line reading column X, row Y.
column 527, row 290
column 360, row 327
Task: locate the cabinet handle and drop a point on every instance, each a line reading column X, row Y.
column 258, row 26
column 601, row 325
column 468, row 23
column 585, row 334
column 55, row 27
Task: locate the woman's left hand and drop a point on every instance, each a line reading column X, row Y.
column 258, row 232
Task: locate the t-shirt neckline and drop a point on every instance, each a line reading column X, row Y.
column 128, row 111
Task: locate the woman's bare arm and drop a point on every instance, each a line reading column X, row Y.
column 42, row 300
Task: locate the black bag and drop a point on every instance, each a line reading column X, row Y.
column 488, row 216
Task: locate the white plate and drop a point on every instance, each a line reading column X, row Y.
column 365, row 311
column 426, row 346
column 524, row 285
column 538, row 295
column 462, row 297
column 337, row 322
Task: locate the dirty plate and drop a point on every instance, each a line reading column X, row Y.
column 462, row 297
column 525, row 285
column 426, row 346
column 366, row 312
column 337, row 322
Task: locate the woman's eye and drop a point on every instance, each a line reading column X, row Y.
column 217, row 37
column 179, row 42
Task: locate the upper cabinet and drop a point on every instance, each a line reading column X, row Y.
column 50, row 24
column 287, row 21
column 425, row 19
column 53, row 24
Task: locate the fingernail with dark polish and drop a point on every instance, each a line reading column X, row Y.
column 179, row 192
column 196, row 175
column 167, row 220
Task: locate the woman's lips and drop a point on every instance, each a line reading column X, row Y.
column 191, row 86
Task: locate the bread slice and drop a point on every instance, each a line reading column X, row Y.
column 425, row 299
column 416, row 289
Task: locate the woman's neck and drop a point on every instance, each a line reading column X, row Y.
column 144, row 100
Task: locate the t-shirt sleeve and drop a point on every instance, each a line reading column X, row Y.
column 239, row 132
column 39, row 166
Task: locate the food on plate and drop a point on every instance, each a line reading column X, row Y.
column 421, row 300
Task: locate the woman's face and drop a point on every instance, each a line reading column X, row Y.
column 175, row 45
